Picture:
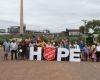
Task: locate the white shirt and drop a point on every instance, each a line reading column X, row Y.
column 98, row 48
column 30, row 45
column 76, row 46
column 13, row 46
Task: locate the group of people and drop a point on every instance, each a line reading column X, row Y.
column 87, row 51
column 21, row 49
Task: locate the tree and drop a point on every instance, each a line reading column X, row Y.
column 81, row 29
column 95, row 25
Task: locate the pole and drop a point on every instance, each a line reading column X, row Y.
column 21, row 18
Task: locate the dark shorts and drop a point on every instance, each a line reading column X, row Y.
column 6, row 54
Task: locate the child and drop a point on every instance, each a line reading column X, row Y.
column 7, row 49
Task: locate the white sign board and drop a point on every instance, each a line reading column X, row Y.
column 38, row 53
column 73, row 53
column 60, row 53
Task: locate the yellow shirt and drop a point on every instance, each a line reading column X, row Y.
column 92, row 48
column 42, row 44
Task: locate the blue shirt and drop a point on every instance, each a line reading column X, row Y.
column 81, row 46
column 85, row 50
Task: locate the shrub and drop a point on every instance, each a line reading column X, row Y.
column 1, row 41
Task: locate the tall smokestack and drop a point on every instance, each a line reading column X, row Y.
column 21, row 18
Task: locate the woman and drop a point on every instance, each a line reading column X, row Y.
column 94, row 54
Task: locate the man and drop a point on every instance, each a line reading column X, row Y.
column 13, row 48
column 76, row 45
column 81, row 45
column 85, row 52
column 98, row 51
column 34, row 39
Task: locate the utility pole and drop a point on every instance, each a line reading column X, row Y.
column 85, row 22
column 21, row 18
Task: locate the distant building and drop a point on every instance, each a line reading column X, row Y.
column 2, row 31
column 46, row 31
column 32, row 31
column 38, row 32
column 73, row 32
column 15, row 29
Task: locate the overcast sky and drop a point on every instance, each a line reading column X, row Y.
column 50, row 13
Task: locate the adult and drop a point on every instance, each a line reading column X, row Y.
column 76, row 45
column 66, row 44
column 85, row 52
column 41, row 43
column 20, row 50
column 81, row 45
column 91, row 50
column 13, row 49
column 24, row 48
column 34, row 39
column 49, row 44
column 98, row 51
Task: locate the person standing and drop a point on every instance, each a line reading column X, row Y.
column 76, row 45
column 13, row 49
column 93, row 57
column 20, row 50
column 6, row 49
column 4, row 43
column 81, row 45
column 41, row 43
column 85, row 52
column 66, row 44
column 91, row 50
column 34, row 39
column 98, row 51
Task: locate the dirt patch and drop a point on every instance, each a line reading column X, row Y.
column 48, row 70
